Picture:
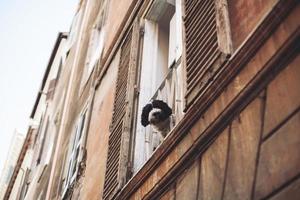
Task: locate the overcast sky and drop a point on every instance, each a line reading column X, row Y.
column 28, row 30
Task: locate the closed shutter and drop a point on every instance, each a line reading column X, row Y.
column 41, row 148
column 51, row 89
column 206, row 23
column 119, row 140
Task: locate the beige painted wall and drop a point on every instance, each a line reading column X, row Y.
column 116, row 12
column 97, row 141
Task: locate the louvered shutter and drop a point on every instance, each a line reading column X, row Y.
column 118, row 159
column 208, row 43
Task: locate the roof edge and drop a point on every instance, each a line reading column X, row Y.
column 61, row 35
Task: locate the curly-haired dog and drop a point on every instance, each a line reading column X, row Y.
column 158, row 115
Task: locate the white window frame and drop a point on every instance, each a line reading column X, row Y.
column 175, row 49
column 76, row 144
column 145, row 139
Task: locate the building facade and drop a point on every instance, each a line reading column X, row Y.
column 9, row 165
column 230, row 72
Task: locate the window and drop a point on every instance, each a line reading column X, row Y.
column 75, row 153
column 95, row 45
column 74, row 30
column 151, row 67
column 161, row 75
column 42, row 142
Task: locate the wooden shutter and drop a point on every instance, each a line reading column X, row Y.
column 41, row 148
column 117, row 167
column 77, row 147
column 51, row 89
column 208, row 43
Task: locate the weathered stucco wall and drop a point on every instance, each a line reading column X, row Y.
column 256, row 154
column 59, row 103
column 116, row 13
column 249, row 158
column 97, row 141
column 240, row 142
column 245, row 16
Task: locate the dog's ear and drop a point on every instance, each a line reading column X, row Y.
column 164, row 106
column 145, row 113
column 167, row 109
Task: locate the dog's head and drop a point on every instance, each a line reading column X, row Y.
column 155, row 113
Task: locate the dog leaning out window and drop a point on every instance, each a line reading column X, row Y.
column 159, row 115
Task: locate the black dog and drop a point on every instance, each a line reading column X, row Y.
column 158, row 115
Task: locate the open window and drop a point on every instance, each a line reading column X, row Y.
column 151, row 67
column 161, row 75
column 75, row 154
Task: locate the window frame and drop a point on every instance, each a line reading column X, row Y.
column 133, row 111
column 75, row 151
column 95, row 44
column 175, row 69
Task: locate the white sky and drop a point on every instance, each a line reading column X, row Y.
column 28, row 30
